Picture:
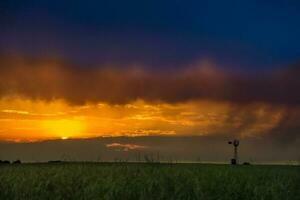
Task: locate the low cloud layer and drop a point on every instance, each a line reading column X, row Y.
column 125, row 147
column 52, row 79
column 198, row 100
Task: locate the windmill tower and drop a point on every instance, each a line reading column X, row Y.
column 235, row 143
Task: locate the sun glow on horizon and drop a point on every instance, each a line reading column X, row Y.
column 64, row 137
column 32, row 120
column 63, row 128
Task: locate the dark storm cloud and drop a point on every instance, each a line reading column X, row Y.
column 251, row 119
column 287, row 130
column 53, row 79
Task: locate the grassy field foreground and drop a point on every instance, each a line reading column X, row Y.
column 148, row 181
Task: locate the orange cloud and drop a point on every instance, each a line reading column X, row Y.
column 58, row 119
column 125, row 147
column 21, row 112
column 46, row 99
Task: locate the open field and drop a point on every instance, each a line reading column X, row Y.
column 148, row 181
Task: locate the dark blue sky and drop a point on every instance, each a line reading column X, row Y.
column 156, row 33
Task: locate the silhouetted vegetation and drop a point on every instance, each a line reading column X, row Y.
column 54, row 161
column 148, row 181
column 4, row 162
column 16, row 162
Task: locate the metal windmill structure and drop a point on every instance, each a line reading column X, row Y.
column 235, row 143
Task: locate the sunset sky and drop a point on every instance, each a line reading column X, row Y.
column 87, row 69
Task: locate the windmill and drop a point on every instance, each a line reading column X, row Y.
column 235, row 143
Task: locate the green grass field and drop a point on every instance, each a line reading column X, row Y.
column 148, row 181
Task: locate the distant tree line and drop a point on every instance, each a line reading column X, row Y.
column 8, row 162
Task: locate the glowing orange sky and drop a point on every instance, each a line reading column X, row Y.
column 28, row 120
column 48, row 98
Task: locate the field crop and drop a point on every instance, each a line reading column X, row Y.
column 148, row 181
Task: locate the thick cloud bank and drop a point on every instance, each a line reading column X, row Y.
column 259, row 104
column 52, row 79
